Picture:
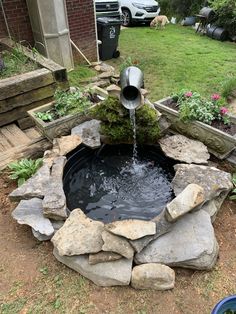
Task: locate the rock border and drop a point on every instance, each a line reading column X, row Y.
column 181, row 236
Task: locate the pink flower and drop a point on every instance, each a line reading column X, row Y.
column 188, row 94
column 215, row 97
column 224, row 110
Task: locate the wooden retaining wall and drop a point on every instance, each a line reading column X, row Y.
column 23, row 92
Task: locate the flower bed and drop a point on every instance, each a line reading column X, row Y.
column 220, row 136
column 69, row 109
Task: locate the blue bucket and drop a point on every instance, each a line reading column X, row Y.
column 225, row 305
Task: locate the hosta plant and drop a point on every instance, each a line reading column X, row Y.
column 24, row 169
column 192, row 106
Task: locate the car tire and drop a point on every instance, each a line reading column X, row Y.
column 126, row 18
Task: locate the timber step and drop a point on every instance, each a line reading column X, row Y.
column 16, row 144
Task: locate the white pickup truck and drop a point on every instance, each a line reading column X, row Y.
column 108, row 8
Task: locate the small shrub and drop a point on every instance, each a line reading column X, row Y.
column 116, row 124
column 24, row 169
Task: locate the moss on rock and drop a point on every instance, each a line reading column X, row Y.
column 116, row 125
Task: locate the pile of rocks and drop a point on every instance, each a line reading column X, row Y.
column 182, row 235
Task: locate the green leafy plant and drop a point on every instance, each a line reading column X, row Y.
column 225, row 14
column 15, row 62
column 129, row 62
column 45, row 116
column 67, row 103
column 116, row 124
column 192, row 106
column 24, row 169
column 233, row 193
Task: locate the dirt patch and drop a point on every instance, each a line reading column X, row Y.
column 32, row 281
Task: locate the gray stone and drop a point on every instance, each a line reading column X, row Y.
column 30, row 212
column 106, row 75
column 132, row 228
column 213, row 207
column 49, row 157
column 190, row 198
column 162, row 226
column 184, row 149
column 153, row 276
column 79, row 235
column 164, row 125
column 144, row 92
column 42, row 237
column 191, row 244
column 89, row 132
column 114, row 90
column 101, row 83
column 103, row 67
column 102, row 257
column 57, row 224
column 116, row 273
column 36, row 186
column 66, row 144
column 39, row 236
column 113, row 243
column 212, row 180
column 54, row 202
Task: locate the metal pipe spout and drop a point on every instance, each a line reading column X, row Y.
column 131, row 81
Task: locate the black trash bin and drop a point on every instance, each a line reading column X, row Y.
column 108, row 34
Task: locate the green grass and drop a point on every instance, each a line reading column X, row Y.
column 16, row 63
column 80, row 74
column 176, row 58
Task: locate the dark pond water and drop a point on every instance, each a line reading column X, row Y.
column 108, row 185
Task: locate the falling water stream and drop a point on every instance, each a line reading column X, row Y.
column 133, row 123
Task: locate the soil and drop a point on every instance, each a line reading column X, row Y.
column 229, row 129
column 32, row 281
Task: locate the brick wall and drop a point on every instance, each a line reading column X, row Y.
column 81, row 23
column 18, row 20
column 82, row 27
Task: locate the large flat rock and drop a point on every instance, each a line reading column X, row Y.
column 153, row 276
column 30, row 212
column 116, row 273
column 79, row 235
column 212, row 180
column 132, row 228
column 180, row 147
column 191, row 243
column 36, row 186
column 89, row 133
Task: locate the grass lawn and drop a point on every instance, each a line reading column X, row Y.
column 177, row 58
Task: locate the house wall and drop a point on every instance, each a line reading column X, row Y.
column 18, row 20
column 82, row 26
column 81, row 23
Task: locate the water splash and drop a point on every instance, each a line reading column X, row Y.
column 109, row 186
